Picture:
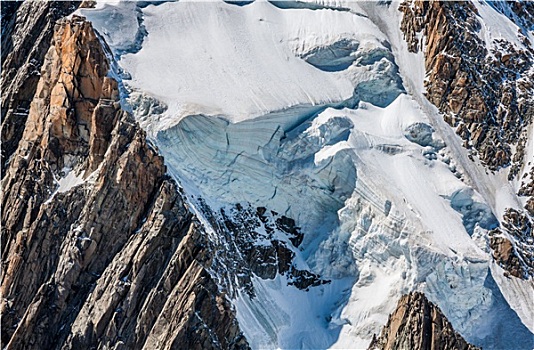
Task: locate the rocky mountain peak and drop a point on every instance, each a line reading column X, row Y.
column 99, row 247
column 75, row 105
column 27, row 29
column 418, row 324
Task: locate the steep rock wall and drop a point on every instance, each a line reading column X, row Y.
column 418, row 324
column 27, row 29
column 99, row 248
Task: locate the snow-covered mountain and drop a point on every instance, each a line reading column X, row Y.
column 336, row 154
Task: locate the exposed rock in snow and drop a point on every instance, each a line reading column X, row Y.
column 416, row 324
column 513, row 244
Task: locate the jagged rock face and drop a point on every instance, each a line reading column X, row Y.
column 513, row 244
column 27, row 29
column 418, row 324
column 257, row 242
column 485, row 93
column 527, row 190
column 99, row 249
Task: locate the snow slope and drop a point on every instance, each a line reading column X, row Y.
column 203, row 46
column 316, row 111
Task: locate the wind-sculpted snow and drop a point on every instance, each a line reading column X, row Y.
column 206, row 55
column 335, row 57
column 120, row 25
column 310, row 5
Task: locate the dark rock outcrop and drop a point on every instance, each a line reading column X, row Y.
column 514, row 251
column 99, row 248
column 527, row 189
column 484, row 90
column 418, row 324
column 257, row 242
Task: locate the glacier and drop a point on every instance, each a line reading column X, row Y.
column 315, row 110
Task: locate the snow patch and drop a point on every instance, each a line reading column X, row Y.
column 68, row 180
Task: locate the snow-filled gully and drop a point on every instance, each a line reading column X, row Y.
column 294, row 110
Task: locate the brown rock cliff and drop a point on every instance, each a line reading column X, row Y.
column 27, row 29
column 486, row 92
column 418, row 324
column 99, row 248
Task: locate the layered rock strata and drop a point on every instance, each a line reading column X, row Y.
column 99, row 248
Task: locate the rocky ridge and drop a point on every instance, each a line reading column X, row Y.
column 485, row 92
column 417, row 324
column 99, row 248
column 27, row 28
